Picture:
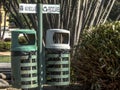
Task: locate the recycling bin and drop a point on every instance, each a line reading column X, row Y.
column 24, row 59
column 57, row 57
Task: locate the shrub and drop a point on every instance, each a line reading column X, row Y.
column 5, row 46
column 22, row 40
column 98, row 58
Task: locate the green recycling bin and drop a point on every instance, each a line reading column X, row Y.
column 24, row 59
column 57, row 57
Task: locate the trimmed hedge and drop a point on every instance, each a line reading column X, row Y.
column 5, row 46
column 97, row 60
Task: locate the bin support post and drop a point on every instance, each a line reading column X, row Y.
column 39, row 44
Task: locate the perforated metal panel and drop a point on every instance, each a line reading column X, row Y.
column 58, row 69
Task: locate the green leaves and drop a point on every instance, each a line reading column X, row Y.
column 98, row 57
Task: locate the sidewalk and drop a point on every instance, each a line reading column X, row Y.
column 5, row 53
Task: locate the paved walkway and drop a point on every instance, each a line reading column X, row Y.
column 5, row 53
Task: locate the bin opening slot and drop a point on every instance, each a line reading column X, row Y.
column 26, row 39
column 61, row 38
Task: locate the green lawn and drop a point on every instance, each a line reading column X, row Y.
column 5, row 59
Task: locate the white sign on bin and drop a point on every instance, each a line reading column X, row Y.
column 27, row 8
column 50, row 8
column 32, row 8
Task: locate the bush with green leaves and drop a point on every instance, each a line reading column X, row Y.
column 96, row 63
column 5, row 46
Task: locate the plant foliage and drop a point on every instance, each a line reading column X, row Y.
column 5, row 46
column 97, row 59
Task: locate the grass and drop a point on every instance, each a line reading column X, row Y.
column 5, row 59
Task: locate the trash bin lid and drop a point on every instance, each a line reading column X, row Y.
column 58, row 39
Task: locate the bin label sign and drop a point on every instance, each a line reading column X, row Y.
column 50, row 8
column 32, row 8
column 27, row 8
